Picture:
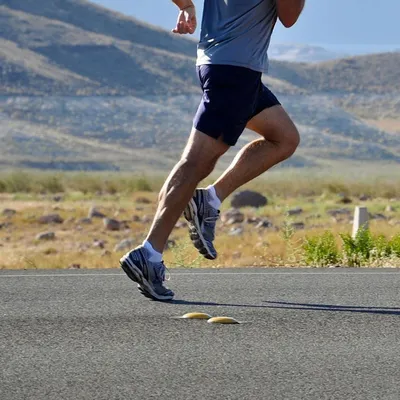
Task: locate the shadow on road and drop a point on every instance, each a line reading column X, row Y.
column 207, row 304
column 331, row 307
column 298, row 306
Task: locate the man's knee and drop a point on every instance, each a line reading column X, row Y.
column 290, row 141
column 201, row 154
column 287, row 137
column 275, row 125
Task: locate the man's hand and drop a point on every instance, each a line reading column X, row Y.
column 187, row 21
column 289, row 11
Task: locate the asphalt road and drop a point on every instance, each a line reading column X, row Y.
column 310, row 334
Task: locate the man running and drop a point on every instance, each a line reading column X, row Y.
column 232, row 55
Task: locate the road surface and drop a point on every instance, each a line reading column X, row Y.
column 310, row 334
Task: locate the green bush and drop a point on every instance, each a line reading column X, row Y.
column 364, row 249
column 143, row 185
column 85, row 183
column 3, row 186
column 18, row 182
column 357, row 250
column 50, row 184
column 395, row 245
column 321, row 250
column 110, row 187
column 381, row 247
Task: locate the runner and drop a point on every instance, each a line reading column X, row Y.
column 232, row 55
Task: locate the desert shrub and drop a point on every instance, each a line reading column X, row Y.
column 366, row 249
column 85, row 183
column 363, row 250
column 18, row 182
column 111, row 187
column 321, row 250
column 356, row 251
column 381, row 247
column 3, row 186
column 394, row 244
column 143, row 185
column 50, row 184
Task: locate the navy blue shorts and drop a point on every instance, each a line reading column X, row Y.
column 232, row 96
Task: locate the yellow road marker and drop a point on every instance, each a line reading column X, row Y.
column 223, row 320
column 196, row 315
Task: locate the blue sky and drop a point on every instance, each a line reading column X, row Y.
column 344, row 25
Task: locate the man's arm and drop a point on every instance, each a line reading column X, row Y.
column 182, row 4
column 187, row 22
column 289, row 11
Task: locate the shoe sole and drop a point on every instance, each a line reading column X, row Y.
column 136, row 275
column 144, row 293
column 196, row 236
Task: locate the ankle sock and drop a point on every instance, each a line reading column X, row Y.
column 154, row 256
column 213, row 199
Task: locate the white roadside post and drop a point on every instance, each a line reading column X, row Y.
column 361, row 218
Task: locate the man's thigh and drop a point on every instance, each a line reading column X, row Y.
column 274, row 124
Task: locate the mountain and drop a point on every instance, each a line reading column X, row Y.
column 82, row 87
column 75, row 47
column 301, row 53
column 94, row 19
column 79, row 61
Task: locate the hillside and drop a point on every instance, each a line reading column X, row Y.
column 376, row 73
column 78, row 61
column 92, row 18
column 96, row 51
column 82, row 87
column 301, row 53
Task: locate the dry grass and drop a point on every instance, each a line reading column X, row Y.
column 74, row 240
column 378, row 181
column 74, row 243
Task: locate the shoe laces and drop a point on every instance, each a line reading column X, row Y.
column 168, row 275
column 160, row 271
column 212, row 218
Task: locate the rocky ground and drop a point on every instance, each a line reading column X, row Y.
column 71, row 231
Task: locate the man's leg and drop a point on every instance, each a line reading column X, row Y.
column 144, row 264
column 280, row 139
column 197, row 162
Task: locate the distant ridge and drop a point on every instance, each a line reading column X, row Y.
column 83, row 87
column 76, row 47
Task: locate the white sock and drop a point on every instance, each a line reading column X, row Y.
column 213, row 199
column 154, row 256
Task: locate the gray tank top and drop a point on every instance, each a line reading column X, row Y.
column 237, row 32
